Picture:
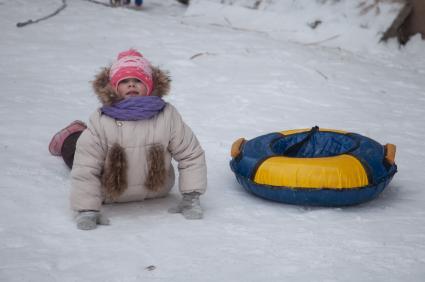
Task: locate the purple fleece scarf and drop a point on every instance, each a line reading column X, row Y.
column 135, row 108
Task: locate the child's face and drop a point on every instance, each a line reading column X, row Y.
column 131, row 87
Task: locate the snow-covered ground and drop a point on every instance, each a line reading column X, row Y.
column 228, row 81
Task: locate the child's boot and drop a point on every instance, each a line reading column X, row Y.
column 56, row 143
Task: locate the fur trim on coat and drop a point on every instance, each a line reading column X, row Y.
column 108, row 96
column 156, row 168
column 114, row 177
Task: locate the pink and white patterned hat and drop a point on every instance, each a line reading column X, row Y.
column 131, row 64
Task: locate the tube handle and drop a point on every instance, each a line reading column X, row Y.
column 236, row 147
column 390, row 150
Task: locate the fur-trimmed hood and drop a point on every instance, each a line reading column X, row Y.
column 107, row 95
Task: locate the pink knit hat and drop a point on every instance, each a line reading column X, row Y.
column 131, row 64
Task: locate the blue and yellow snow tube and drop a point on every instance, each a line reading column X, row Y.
column 320, row 167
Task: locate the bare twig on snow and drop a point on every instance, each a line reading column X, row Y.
column 22, row 24
column 201, row 54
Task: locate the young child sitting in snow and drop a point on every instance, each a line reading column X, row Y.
column 124, row 153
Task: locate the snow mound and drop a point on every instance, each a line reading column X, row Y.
column 350, row 25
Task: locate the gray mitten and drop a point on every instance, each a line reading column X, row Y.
column 189, row 206
column 88, row 220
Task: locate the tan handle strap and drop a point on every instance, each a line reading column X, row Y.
column 236, row 147
column 390, row 150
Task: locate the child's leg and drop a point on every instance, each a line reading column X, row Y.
column 138, row 2
column 68, row 148
column 56, row 143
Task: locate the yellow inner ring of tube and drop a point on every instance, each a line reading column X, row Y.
column 294, row 131
column 338, row 172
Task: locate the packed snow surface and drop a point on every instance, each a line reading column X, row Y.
column 231, row 78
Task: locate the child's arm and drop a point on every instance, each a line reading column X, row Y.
column 86, row 172
column 186, row 150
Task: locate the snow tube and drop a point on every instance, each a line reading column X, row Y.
column 318, row 167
